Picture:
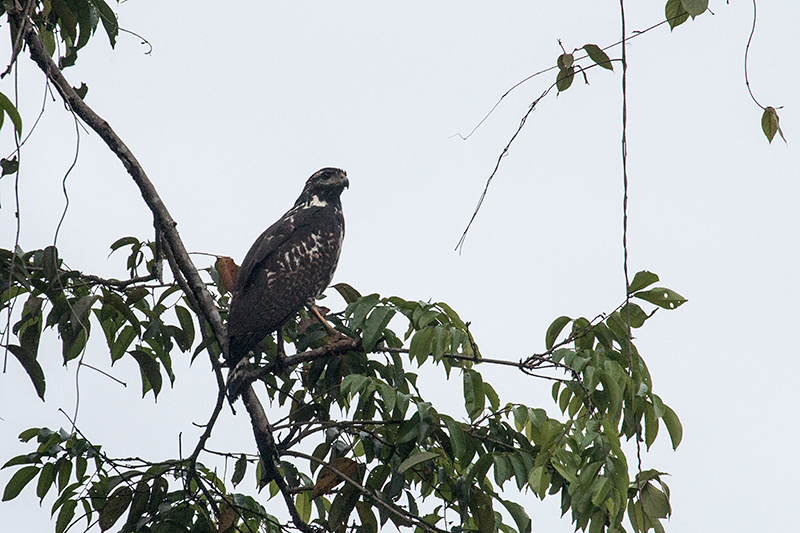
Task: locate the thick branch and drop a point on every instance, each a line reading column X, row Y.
column 339, row 347
column 269, row 454
column 165, row 223
column 160, row 213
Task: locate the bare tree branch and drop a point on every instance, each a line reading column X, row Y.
column 162, row 217
column 181, row 263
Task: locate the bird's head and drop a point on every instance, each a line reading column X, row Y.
column 325, row 184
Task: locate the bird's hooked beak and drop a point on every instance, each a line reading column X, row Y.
column 339, row 181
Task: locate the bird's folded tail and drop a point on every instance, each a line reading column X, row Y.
column 236, row 379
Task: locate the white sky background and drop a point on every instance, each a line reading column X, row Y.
column 232, row 111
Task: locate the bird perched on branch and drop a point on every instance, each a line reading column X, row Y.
column 288, row 266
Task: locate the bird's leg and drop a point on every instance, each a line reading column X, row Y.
column 332, row 333
column 280, row 361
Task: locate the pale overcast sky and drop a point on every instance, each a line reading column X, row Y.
column 232, row 111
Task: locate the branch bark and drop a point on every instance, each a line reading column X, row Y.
column 181, row 264
column 161, row 214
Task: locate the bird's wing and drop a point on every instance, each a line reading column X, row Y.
column 268, row 243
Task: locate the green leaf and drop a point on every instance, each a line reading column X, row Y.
column 361, row 308
column 440, row 341
column 650, row 425
column 28, row 434
column 480, row 504
column 539, row 481
column 139, row 502
column 695, row 7
column 13, row 114
column 31, row 366
column 80, row 310
column 554, row 330
column 109, row 20
column 239, row 470
column 666, row 298
column 452, row 315
column 8, row 166
column 187, row 325
column 80, row 467
column 491, row 395
column 21, row 477
column 352, row 383
column 673, row 426
column 770, row 123
column 479, row 469
column 49, row 40
column 348, row 293
column 415, row 460
column 655, row 502
column 637, row 315
column 83, row 89
column 563, row 400
column 473, row 393
column 46, row 480
column 369, row 524
column 675, row 13
column 641, row 280
column 151, row 373
column 115, row 506
column 376, row 322
column 458, row 441
column 389, row 397
column 65, row 515
column 122, row 342
column 64, row 466
column 564, row 78
column 115, row 301
column 124, row 241
column 597, row 55
column 600, row 488
column 502, row 468
column 421, row 344
column 341, row 507
column 565, row 61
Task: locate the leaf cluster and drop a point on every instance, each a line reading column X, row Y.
column 68, row 23
column 132, row 316
column 381, row 451
column 566, row 65
column 131, row 493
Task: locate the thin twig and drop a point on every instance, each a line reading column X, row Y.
column 625, row 228
column 459, row 247
column 18, row 41
column 106, row 374
column 399, row 512
column 746, row 52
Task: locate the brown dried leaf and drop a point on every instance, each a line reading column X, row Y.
column 328, row 478
column 227, row 515
column 228, row 270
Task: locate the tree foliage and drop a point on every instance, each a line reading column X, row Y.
column 404, row 460
column 381, row 452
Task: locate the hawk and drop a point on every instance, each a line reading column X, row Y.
column 289, row 265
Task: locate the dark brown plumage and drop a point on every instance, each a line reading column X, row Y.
column 289, row 265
